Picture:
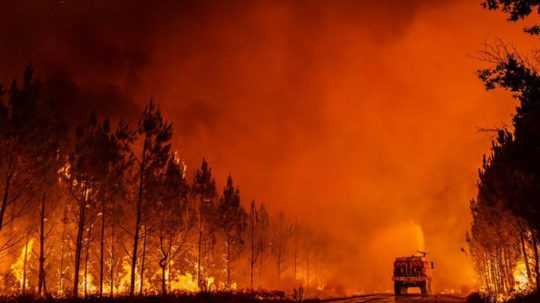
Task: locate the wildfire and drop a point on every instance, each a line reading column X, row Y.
column 185, row 282
column 123, row 285
column 521, row 280
column 89, row 284
column 18, row 268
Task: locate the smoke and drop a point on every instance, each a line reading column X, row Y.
column 358, row 118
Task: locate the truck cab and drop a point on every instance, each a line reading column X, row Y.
column 412, row 271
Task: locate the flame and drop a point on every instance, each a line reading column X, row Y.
column 64, row 171
column 521, row 280
column 17, row 268
column 185, row 282
column 124, row 281
column 90, row 284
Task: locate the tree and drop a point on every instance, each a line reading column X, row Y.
column 506, row 214
column 281, row 234
column 94, row 173
column 258, row 237
column 117, row 160
column 80, row 179
column 19, row 130
column 516, row 10
column 173, row 216
column 204, row 194
column 156, row 135
column 48, row 144
column 231, row 222
column 33, row 138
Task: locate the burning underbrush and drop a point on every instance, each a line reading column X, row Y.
column 184, row 297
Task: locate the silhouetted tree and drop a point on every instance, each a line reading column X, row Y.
column 258, row 228
column 156, row 135
column 281, row 235
column 173, row 215
column 516, row 10
column 20, row 127
column 204, row 195
column 231, row 222
column 506, row 214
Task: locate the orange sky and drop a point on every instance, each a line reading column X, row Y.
column 368, row 135
column 359, row 118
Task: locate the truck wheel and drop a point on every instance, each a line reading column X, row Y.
column 397, row 289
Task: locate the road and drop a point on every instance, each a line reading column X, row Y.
column 388, row 298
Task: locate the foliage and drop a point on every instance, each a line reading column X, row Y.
column 504, row 234
column 516, row 10
column 114, row 211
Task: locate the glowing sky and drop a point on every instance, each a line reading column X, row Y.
column 359, row 118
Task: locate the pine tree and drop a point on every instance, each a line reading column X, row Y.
column 231, row 222
column 156, row 134
column 204, row 194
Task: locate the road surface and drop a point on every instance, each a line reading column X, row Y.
column 388, row 298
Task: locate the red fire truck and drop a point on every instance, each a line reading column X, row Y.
column 412, row 271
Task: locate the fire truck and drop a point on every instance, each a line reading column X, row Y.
column 412, row 271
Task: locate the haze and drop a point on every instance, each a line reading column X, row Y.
column 358, row 118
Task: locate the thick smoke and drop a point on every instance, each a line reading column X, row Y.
column 356, row 117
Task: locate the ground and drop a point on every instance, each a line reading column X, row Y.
column 242, row 298
column 387, row 298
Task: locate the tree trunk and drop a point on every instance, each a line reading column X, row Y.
column 25, row 261
column 252, row 260
column 295, row 257
column 102, row 249
column 143, row 258
column 199, row 248
column 78, row 245
column 41, row 274
column 169, row 278
column 138, row 218
column 62, row 252
column 5, row 198
column 524, row 253
column 86, row 255
column 112, row 251
column 163, row 265
column 536, row 261
column 228, row 263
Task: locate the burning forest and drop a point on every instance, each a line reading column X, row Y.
column 231, row 151
column 111, row 209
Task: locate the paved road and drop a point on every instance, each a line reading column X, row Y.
column 387, row 298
